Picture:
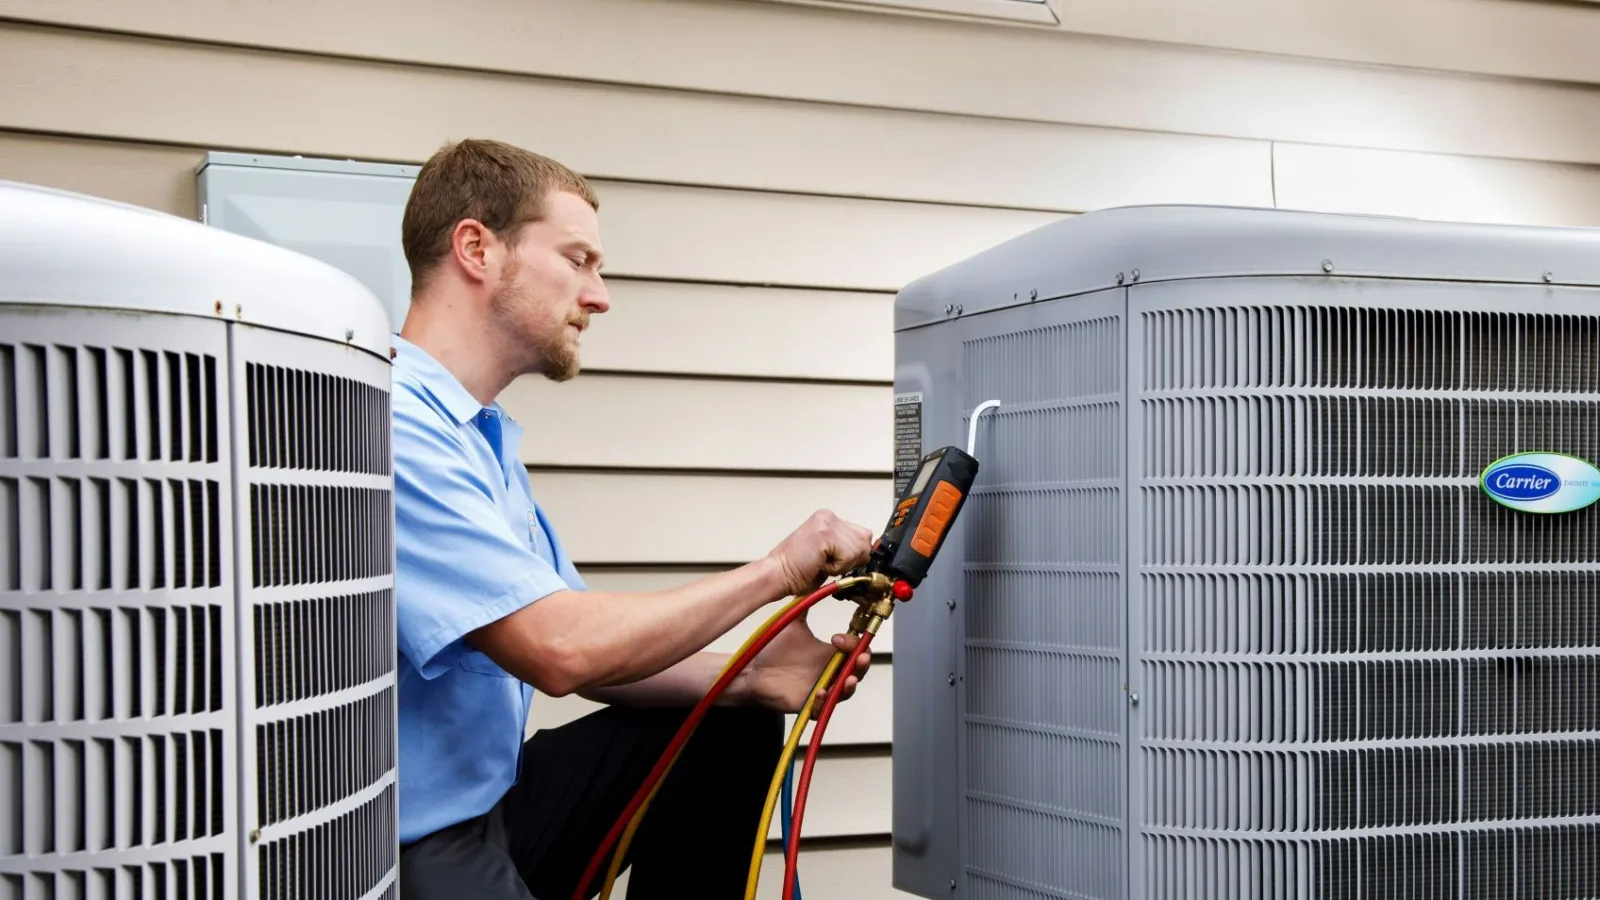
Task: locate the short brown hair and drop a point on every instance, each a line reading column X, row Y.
column 500, row 185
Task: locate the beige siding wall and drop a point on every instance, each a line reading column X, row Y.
column 772, row 171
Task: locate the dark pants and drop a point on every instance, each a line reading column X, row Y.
column 695, row 840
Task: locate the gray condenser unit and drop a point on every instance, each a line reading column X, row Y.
column 1281, row 578
column 196, row 631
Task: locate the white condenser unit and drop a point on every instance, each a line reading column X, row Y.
column 1281, row 576
column 196, row 564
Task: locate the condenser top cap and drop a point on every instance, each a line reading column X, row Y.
column 1133, row 245
column 62, row 248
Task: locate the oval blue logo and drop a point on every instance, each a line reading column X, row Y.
column 1522, row 482
column 1542, row 482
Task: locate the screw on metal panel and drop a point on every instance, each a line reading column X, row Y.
column 238, row 310
column 1120, row 277
column 255, row 835
column 950, row 604
column 349, row 334
column 949, row 308
column 1327, row 265
column 1133, row 699
column 958, row 309
column 1548, row 278
column 1135, row 274
column 952, row 884
column 1033, row 294
column 952, row 679
column 218, row 307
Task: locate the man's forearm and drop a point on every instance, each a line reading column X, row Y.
column 681, row 685
column 585, row 641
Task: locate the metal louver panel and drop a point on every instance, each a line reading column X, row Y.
column 117, row 705
column 1341, row 563
column 1041, row 719
column 316, row 552
column 1360, row 678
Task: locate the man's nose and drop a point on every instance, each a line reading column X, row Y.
column 596, row 297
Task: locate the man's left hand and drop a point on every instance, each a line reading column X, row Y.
column 787, row 669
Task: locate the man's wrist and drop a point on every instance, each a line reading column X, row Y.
column 745, row 688
column 771, row 581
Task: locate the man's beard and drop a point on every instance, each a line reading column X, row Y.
column 558, row 360
column 547, row 353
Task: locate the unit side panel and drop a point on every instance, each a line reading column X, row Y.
column 117, row 735
column 1042, row 669
column 1360, row 677
column 926, row 762
column 317, row 647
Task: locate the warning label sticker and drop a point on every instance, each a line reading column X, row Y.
column 907, row 438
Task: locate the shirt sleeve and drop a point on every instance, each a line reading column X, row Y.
column 459, row 566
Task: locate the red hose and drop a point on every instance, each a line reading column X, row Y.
column 581, row 891
column 791, row 853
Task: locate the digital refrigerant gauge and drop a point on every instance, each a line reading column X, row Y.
column 923, row 515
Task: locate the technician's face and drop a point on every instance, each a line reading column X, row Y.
column 551, row 286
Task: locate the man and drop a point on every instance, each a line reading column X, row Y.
column 505, row 257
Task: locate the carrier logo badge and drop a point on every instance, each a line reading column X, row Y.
column 1541, row 482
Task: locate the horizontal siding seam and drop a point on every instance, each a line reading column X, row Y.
column 44, row 24
column 1063, row 32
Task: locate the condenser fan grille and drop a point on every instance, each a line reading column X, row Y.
column 1369, row 349
column 309, row 648
column 1044, row 803
column 1365, row 679
column 117, row 696
column 319, row 623
column 349, row 857
column 316, row 421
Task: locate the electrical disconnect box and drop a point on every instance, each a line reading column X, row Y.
column 1281, row 577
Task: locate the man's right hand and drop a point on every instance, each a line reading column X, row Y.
column 825, row 545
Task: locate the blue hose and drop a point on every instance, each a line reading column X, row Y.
column 788, row 815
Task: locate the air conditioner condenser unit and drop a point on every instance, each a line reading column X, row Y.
column 197, row 652
column 1281, row 578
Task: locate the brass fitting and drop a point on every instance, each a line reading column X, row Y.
column 860, row 621
column 875, row 583
column 871, row 594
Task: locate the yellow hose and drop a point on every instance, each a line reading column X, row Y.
column 784, row 761
column 633, row 824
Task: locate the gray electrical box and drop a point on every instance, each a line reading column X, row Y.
column 1281, row 577
column 342, row 212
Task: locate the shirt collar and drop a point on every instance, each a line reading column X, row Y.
column 437, row 380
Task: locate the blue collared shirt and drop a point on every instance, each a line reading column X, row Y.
column 472, row 546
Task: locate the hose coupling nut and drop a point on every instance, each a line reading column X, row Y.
column 855, row 587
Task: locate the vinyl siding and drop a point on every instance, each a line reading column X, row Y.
column 771, row 171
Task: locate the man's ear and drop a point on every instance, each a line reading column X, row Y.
column 471, row 246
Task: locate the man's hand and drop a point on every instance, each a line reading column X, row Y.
column 785, row 671
column 825, row 545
